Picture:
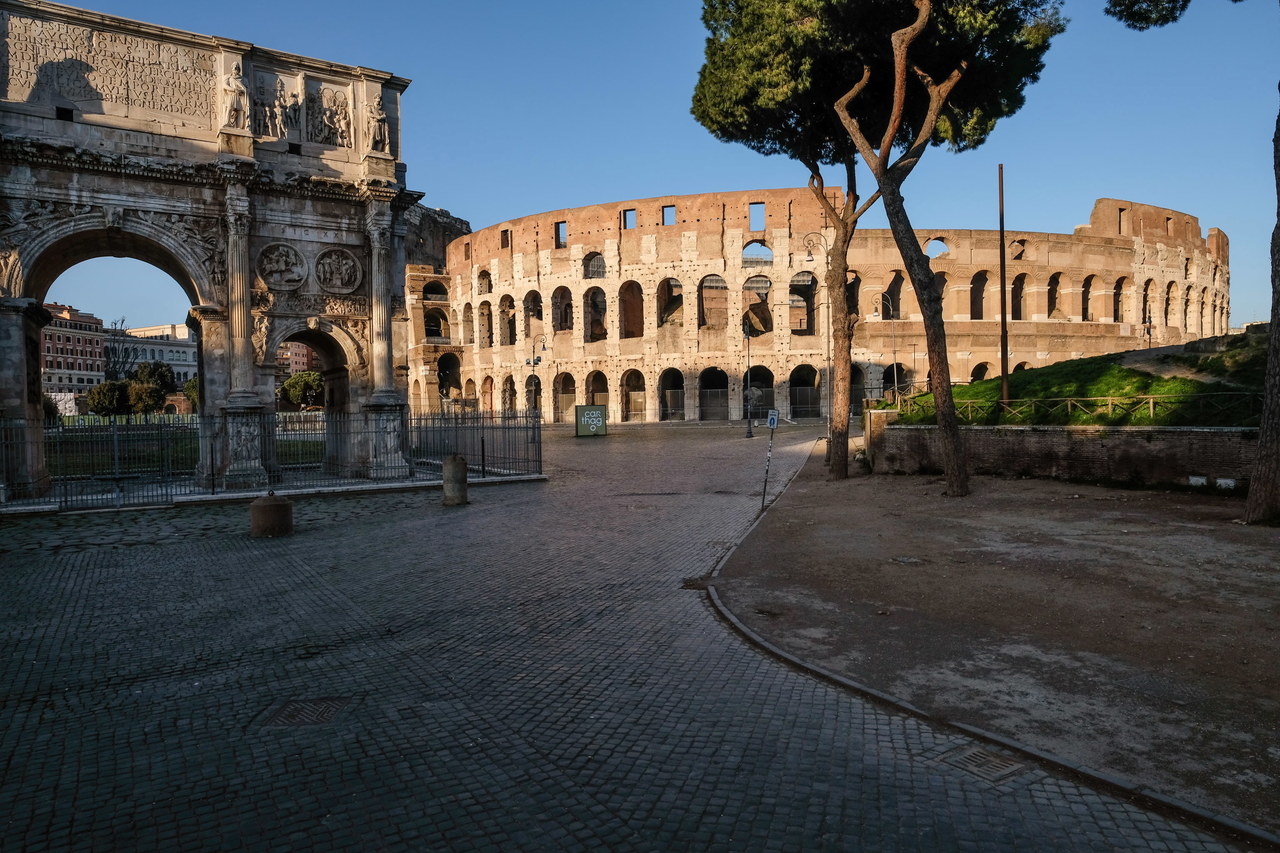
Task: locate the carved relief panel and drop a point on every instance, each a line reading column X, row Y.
column 328, row 114
column 63, row 64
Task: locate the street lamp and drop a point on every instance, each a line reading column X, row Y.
column 532, row 362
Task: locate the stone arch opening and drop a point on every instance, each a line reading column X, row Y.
column 594, row 316
column 713, row 395
column 468, row 325
column 630, row 310
column 533, row 325
column 980, row 372
column 533, row 393
column 486, row 394
column 1118, row 296
column 593, row 266
column 449, row 377
column 757, row 315
column 564, row 391
column 800, row 303
column 891, row 297
column 670, row 303
column 435, row 326
column 978, row 295
column 484, row 325
column 805, row 392
column 1018, row 297
column 506, row 321
column 1053, row 308
column 633, row 396
column 757, row 391
column 509, row 405
column 561, row 310
column 757, row 254
column 596, row 387
column 671, row 395
column 713, row 303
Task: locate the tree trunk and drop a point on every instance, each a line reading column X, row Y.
column 929, row 295
column 1263, row 504
column 841, row 356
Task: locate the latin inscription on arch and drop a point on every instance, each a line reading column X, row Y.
column 62, row 64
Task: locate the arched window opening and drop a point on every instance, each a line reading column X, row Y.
column 1118, row 296
column 509, row 396
column 852, row 289
column 484, row 282
column 890, row 307
column 561, row 310
column 468, row 324
column 713, row 303
column 630, row 310
column 979, row 372
column 800, row 303
column 435, row 291
column 594, row 307
column 1018, row 250
column 507, row 324
column 532, row 314
column 936, row 248
column 1055, row 311
column 486, row 394
column 436, row 326
column 484, row 319
column 1016, row 297
column 757, row 316
column 757, row 254
column 1086, row 295
column 670, row 303
column 978, row 296
column 593, row 266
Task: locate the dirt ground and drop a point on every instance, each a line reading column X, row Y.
column 1132, row 632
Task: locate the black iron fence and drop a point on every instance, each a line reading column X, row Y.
column 88, row 462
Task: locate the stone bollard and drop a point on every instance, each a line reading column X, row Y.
column 271, row 516
column 455, row 481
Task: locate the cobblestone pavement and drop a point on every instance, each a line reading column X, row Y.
column 524, row 673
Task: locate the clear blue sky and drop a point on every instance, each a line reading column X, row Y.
column 523, row 107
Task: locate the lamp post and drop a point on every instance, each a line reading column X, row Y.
column 532, row 362
column 746, row 333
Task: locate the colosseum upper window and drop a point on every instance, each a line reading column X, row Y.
column 757, row 254
column 562, row 234
column 593, row 266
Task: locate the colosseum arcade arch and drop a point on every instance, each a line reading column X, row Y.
column 267, row 184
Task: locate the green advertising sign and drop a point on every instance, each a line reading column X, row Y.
column 591, row 420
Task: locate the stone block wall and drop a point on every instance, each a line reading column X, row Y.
column 1139, row 456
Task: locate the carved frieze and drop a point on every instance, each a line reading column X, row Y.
column 328, row 111
column 281, row 267
column 59, row 63
column 308, row 304
column 337, row 271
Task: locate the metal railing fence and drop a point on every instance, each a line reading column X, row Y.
column 1235, row 408
column 99, row 462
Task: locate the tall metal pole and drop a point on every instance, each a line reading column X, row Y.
column 746, row 331
column 1004, row 306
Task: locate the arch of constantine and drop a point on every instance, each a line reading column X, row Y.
column 268, row 185
column 675, row 307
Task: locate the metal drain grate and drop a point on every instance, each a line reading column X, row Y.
column 984, row 764
column 306, row 712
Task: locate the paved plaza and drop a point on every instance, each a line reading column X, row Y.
column 529, row 672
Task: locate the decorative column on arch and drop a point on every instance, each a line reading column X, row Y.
column 385, row 409
column 245, row 421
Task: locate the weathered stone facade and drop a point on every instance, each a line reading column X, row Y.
column 642, row 305
column 268, row 185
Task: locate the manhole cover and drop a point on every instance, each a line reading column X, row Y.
column 306, row 712
column 983, row 763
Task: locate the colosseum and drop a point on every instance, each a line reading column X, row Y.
column 678, row 308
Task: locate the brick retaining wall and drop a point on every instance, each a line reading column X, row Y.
column 1140, row 456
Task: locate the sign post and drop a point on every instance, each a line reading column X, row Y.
column 590, row 420
column 768, row 457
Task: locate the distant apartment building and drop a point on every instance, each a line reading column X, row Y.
column 172, row 344
column 73, row 350
column 293, row 357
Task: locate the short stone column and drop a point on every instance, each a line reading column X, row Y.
column 384, row 444
column 244, row 448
